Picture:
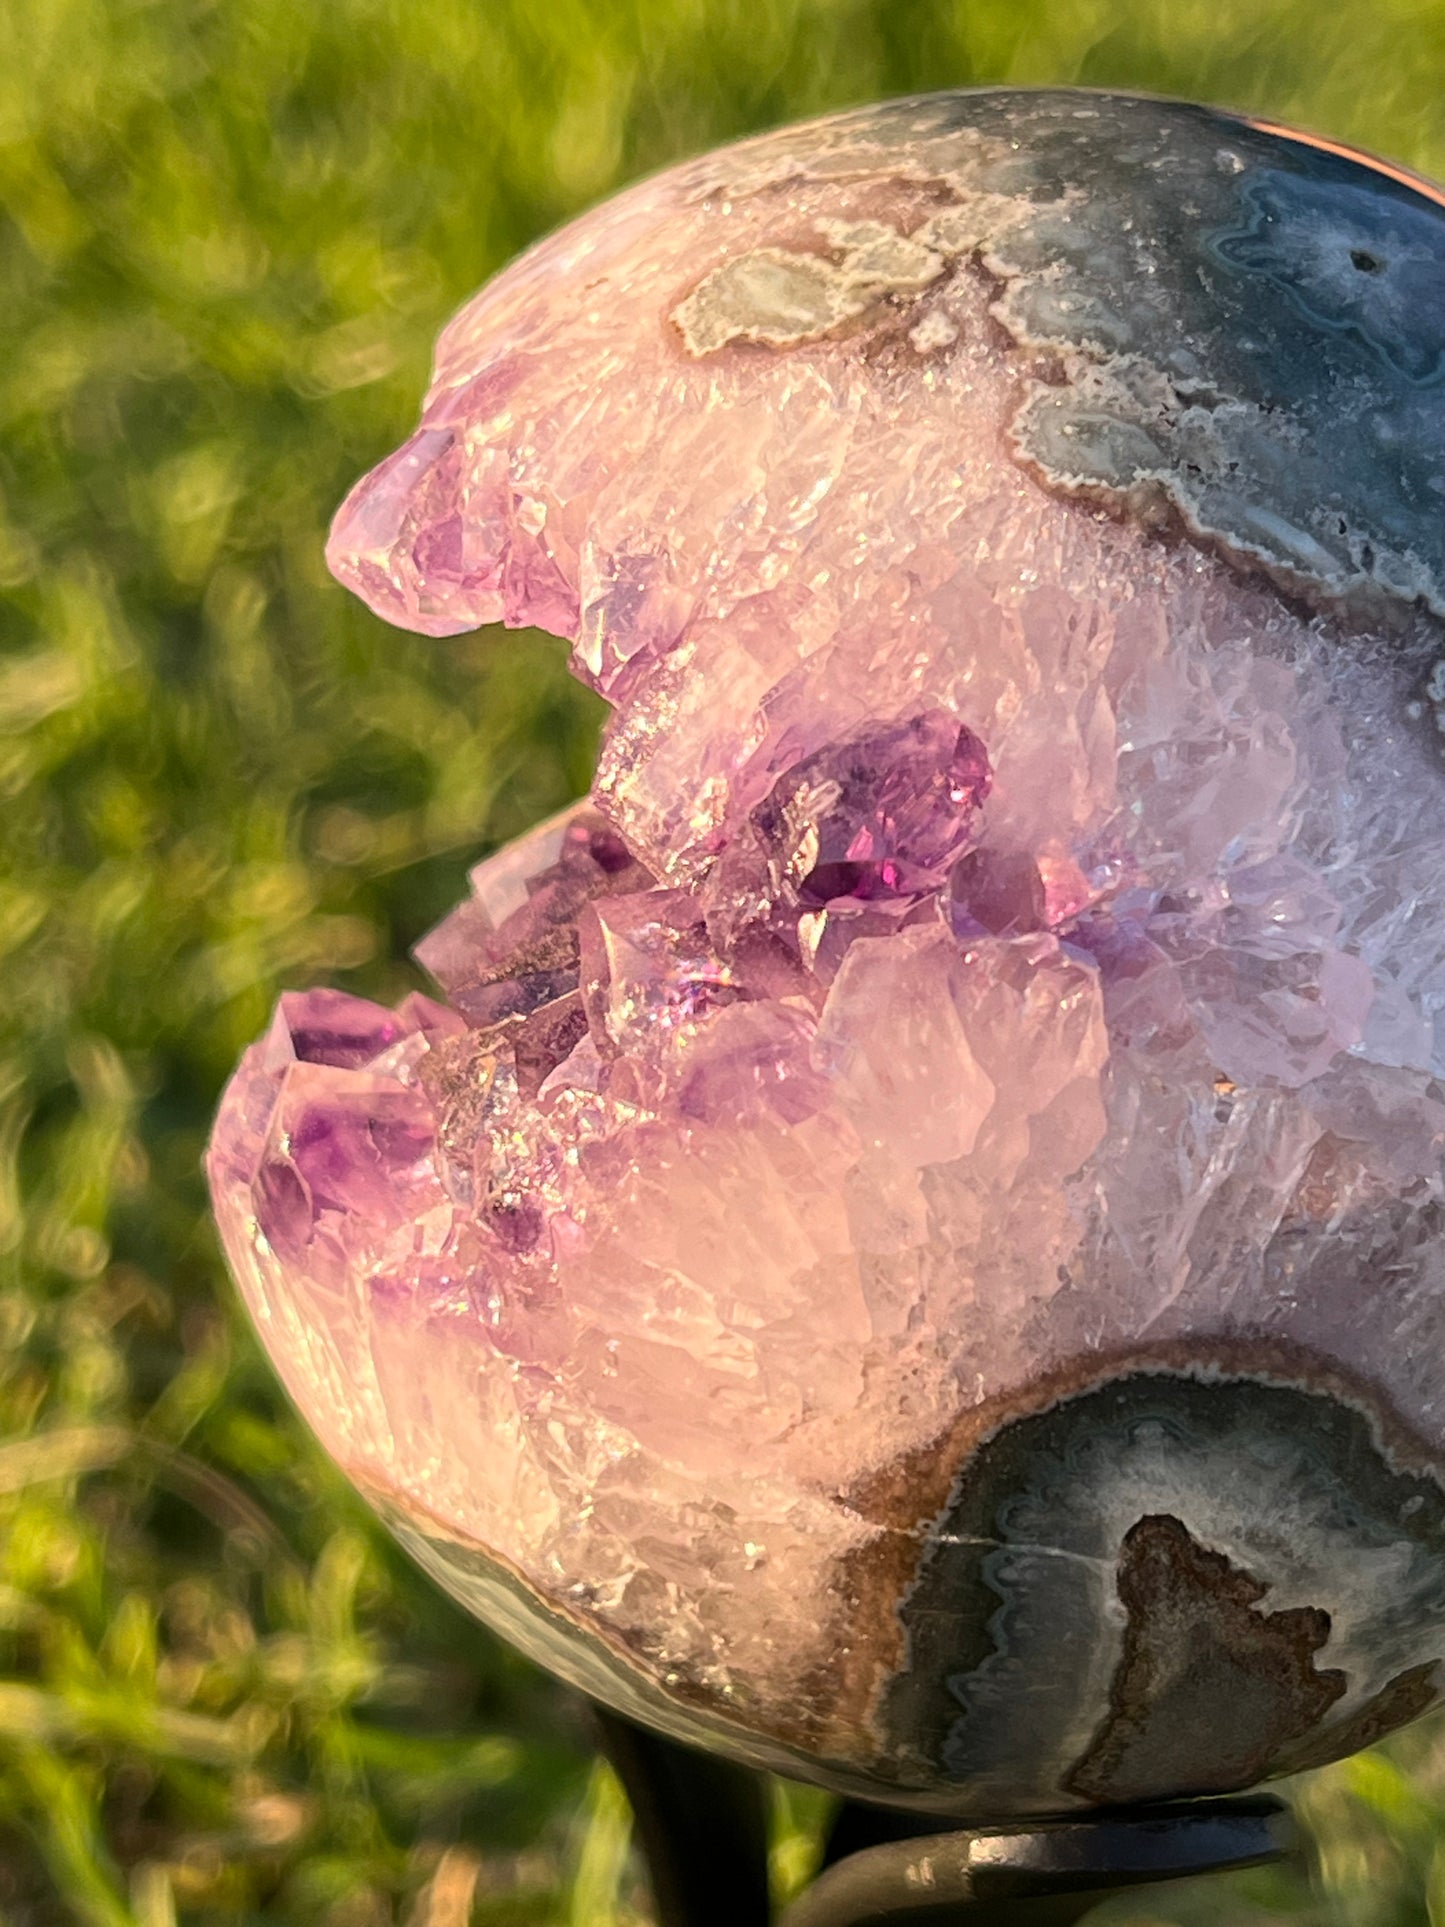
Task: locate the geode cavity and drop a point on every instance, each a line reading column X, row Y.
column 911, row 1251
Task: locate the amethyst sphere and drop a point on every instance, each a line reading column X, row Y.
column 911, row 1250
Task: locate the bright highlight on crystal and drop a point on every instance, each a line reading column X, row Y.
column 911, row 1250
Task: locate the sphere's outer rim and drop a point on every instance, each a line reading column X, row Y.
column 567, row 1642
column 1120, row 429
column 1237, row 116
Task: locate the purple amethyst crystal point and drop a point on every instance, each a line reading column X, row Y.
column 512, row 946
column 647, row 963
column 912, row 1251
column 880, row 818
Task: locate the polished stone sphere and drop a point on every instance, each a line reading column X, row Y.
column 909, row 1248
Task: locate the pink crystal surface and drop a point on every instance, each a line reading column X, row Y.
column 999, row 934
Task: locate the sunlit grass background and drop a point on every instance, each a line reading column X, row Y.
column 231, row 228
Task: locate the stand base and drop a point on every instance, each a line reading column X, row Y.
column 702, row 1827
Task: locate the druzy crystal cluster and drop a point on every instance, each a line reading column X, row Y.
column 908, row 1244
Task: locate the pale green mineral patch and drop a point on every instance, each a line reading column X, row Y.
column 780, row 297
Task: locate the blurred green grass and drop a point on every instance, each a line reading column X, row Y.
column 231, row 228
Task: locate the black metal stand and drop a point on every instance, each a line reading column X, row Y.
column 701, row 1824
